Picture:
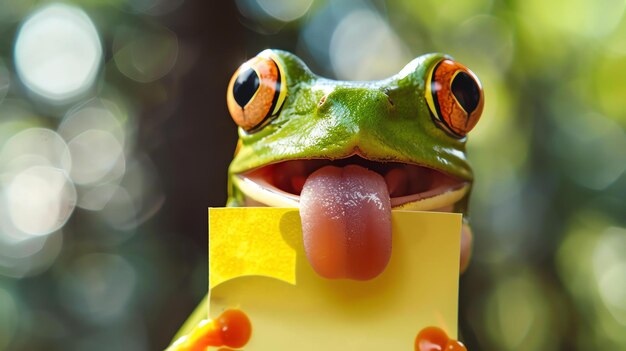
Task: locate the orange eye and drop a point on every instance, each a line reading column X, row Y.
column 454, row 96
column 256, row 92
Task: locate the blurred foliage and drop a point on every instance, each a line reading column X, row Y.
column 86, row 255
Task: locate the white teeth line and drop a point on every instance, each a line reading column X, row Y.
column 267, row 194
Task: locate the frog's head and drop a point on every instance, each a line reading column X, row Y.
column 399, row 141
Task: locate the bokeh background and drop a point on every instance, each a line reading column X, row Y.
column 115, row 138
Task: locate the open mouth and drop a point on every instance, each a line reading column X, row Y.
column 410, row 186
column 345, row 206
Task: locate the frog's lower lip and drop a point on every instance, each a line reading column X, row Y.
column 411, row 187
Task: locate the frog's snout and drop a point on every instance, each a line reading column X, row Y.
column 354, row 105
column 356, row 96
column 383, row 95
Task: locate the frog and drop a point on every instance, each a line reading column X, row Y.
column 347, row 153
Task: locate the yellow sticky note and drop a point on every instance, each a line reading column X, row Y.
column 252, row 241
column 257, row 264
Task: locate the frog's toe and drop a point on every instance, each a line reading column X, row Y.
column 231, row 329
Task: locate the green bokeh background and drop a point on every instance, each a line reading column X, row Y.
column 549, row 202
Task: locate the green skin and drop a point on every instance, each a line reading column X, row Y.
column 356, row 117
column 387, row 121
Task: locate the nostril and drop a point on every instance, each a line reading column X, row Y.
column 386, row 92
column 322, row 100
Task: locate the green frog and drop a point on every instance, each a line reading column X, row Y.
column 347, row 153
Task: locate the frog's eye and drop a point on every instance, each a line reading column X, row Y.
column 454, row 96
column 256, row 92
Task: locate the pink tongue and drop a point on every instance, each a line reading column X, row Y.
column 346, row 222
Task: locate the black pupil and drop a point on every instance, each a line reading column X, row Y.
column 465, row 91
column 245, row 86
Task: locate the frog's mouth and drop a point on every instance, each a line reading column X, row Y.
column 410, row 186
column 345, row 206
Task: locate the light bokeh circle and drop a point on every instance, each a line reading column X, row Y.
column 58, row 52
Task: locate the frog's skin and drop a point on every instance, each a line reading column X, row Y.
column 380, row 121
column 378, row 125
